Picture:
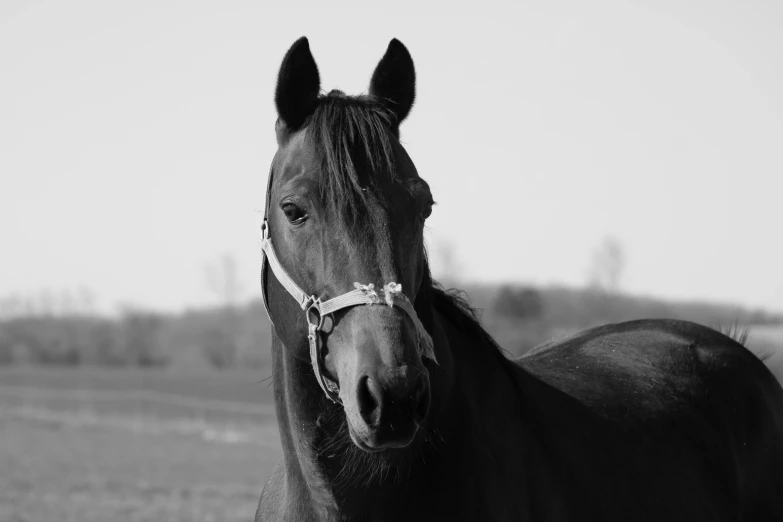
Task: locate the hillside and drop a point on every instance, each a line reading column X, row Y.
column 519, row 318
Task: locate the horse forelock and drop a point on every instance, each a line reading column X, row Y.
column 355, row 143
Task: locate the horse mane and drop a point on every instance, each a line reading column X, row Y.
column 454, row 306
column 740, row 332
column 736, row 331
column 354, row 139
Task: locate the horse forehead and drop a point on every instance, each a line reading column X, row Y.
column 296, row 157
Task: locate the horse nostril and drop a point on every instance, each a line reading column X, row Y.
column 369, row 400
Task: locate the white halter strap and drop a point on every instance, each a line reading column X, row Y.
column 315, row 310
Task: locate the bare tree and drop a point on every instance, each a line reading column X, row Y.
column 11, row 306
column 86, row 300
column 220, row 342
column 67, row 304
column 449, row 264
column 46, row 302
column 221, row 278
column 607, row 265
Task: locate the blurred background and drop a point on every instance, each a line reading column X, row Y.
column 591, row 163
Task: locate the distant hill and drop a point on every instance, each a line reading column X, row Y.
column 518, row 316
column 582, row 307
column 566, row 309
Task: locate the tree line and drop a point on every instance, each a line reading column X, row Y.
column 518, row 316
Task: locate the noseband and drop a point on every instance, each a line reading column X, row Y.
column 316, row 310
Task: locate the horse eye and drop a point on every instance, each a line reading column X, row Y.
column 294, row 214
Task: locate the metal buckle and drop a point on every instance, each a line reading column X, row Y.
column 264, row 229
column 315, row 305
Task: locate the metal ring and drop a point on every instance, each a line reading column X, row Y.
column 315, row 304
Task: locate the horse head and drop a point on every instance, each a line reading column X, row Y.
column 345, row 213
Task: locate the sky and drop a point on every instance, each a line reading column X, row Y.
column 136, row 137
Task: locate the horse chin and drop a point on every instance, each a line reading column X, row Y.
column 367, row 445
column 362, row 445
column 353, row 461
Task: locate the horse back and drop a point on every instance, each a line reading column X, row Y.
column 693, row 410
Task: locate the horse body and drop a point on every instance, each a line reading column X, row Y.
column 660, row 420
column 644, row 420
column 653, row 420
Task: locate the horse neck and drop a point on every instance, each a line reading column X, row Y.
column 476, row 373
column 297, row 403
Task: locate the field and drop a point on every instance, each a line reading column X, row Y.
column 96, row 444
column 91, row 444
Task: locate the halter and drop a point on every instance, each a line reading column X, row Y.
column 315, row 310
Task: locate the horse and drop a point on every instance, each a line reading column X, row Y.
column 394, row 404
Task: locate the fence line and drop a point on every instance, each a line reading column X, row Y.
column 174, row 399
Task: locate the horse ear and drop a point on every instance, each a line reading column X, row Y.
column 298, row 85
column 394, row 80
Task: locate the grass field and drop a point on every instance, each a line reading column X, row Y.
column 97, row 444
column 92, row 444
